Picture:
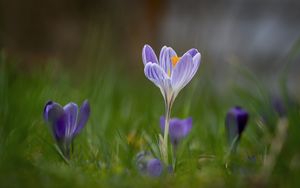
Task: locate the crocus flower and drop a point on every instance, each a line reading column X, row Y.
column 179, row 129
column 236, row 121
column 170, row 74
column 148, row 165
column 66, row 122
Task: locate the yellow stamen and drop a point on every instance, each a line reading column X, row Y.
column 175, row 60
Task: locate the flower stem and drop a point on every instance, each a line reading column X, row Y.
column 59, row 151
column 165, row 151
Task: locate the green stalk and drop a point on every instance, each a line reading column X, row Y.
column 165, row 152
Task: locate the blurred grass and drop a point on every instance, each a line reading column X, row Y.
column 123, row 105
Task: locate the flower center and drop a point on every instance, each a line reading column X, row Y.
column 175, row 60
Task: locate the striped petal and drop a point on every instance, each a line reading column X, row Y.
column 172, row 52
column 157, row 75
column 196, row 59
column 182, row 73
column 196, row 62
column 148, row 55
column 165, row 56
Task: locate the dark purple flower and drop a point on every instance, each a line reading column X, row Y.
column 148, row 165
column 279, row 106
column 236, row 121
column 66, row 122
column 178, row 128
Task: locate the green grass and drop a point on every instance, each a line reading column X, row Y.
column 123, row 104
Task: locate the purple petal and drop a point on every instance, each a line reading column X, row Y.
column 154, row 167
column 236, row 121
column 162, row 124
column 188, row 123
column 83, row 116
column 183, row 72
column 157, row 75
column 242, row 118
column 71, row 111
column 60, row 127
column 46, row 110
column 52, row 112
column 148, row 55
column 178, row 128
column 193, row 52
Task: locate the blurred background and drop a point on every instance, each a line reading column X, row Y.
column 71, row 50
column 256, row 33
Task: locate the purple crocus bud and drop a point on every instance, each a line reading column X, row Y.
column 171, row 73
column 66, row 122
column 236, row 121
column 154, row 167
column 148, row 165
column 279, row 106
column 179, row 128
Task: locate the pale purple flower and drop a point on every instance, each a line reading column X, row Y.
column 179, row 128
column 170, row 73
column 236, row 121
column 66, row 122
column 154, row 167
